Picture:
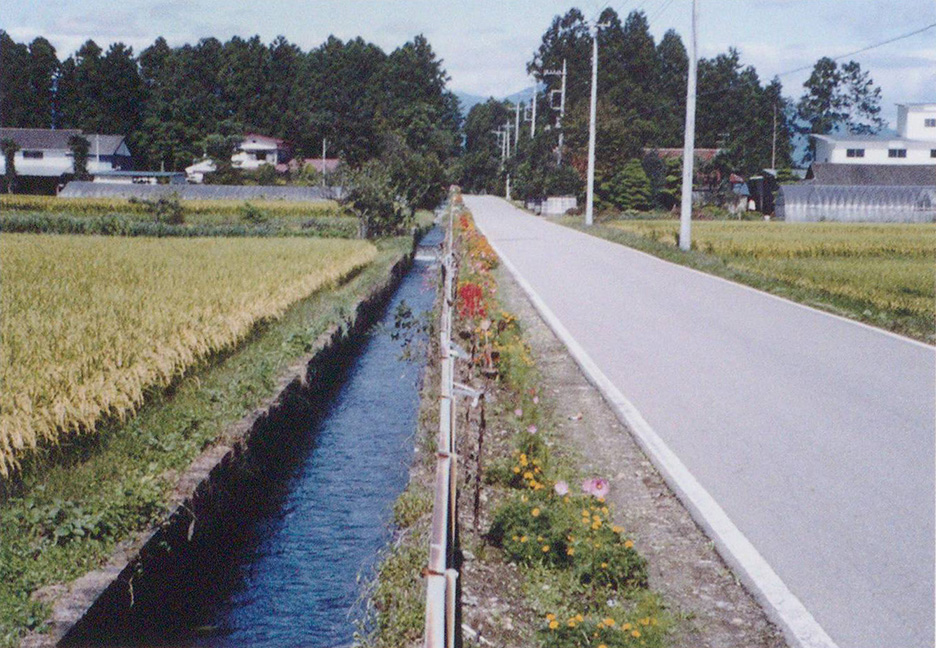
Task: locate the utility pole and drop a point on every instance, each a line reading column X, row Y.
column 517, row 131
column 590, row 197
column 562, row 95
column 773, row 146
column 533, row 122
column 685, row 219
column 324, row 145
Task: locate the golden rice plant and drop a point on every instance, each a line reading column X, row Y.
column 88, row 323
column 890, row 266
column 209, row 210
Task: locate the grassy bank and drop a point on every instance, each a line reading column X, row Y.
column 68, row 512
column 882, row 275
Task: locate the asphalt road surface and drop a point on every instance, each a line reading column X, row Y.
column 814, row 434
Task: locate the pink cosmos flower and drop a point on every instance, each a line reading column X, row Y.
column 532, row 429
column 518, row 412
column 561, row 488
column 596, row 486
column 536, row 400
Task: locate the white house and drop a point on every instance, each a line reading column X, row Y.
column 45, row 153
column 257, row 150
column 252, row 153
column 914, row 143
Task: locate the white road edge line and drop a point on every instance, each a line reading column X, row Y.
column 781, row 605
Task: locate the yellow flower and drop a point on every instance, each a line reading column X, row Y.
column 604, row 565
column 571, row 623
column 566, row 499
column 617, row 529
column 596, row 518
column 550, row 617
column 579, row 618
column 629, row 544
column 528, row 475
column 602, row 646
column 515, row 538
column 601, row 499
column 626, row 627
column 553, row 625
column 523, row 538
column 635, row 633
column 545, row 548
column 645, row 621
column 609, row 622
column 516, row 470
column 585, row 513
column 570, row 551
column 535, row 512
column 604, row 509
column 524, row 498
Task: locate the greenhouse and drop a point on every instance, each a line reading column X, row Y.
column 880, row 204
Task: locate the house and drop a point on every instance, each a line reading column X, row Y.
column 914, row 143
column 253, row 152
column 257, row 150
column 44, row 158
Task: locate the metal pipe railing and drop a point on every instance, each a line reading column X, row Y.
column 441, row 575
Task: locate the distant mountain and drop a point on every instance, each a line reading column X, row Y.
column 468, row 100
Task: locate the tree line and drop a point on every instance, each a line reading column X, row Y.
column 175, row 103
column 641, row 106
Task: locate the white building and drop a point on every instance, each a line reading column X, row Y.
column 914, row 143
column 45, row 153
column 252, row 153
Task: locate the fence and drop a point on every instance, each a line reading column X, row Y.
column 441, row 573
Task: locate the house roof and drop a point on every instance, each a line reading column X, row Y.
column 705, row 154
column 40, row 138
column 108, row 143
column 892, row 175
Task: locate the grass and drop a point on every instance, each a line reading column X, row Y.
column 881, row 274
column 91, row 323
column 67, row 518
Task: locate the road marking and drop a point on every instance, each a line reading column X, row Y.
column 781, row 605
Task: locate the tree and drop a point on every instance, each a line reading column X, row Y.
column 42, row 73
column 9, row 148
column 371, row 198
column 839, row 99
column 14, row 82
column 629, row 188
column 79, row 147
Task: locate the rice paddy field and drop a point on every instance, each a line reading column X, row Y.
column 88, row 323
column 196, row 211
column 884, row 273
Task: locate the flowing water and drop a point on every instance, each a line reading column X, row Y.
column 296, row 579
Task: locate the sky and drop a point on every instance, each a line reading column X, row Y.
column 485, row 44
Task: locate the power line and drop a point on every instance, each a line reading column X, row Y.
column 833, row 58
column 865, row 49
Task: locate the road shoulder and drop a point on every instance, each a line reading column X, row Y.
column 711, row 606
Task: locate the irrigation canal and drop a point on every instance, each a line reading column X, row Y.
column 296, row 578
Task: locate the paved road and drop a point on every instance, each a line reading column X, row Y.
column 814, row 434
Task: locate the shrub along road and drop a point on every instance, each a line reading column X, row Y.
column 813, row 434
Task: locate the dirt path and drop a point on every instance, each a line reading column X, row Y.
column 712, row 608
